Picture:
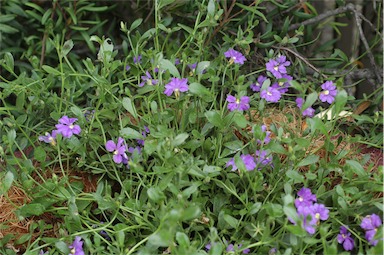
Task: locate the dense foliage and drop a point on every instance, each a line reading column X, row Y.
column 191, row 127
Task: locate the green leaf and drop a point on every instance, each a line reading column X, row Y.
column 198, row 89
column 309, row 101
column 186, row 28
column 135, row 24
column 62, row 247
column 155, row 194
column 190, row 213
column 310, row 160
column 9, row 61
column 211, row 8
column 129, row 106
column 50, row 70
column 168, row 65
column 214, row 118
column 11, row 135
column 356, row 167
column 40, row 154
column 180, row 139
column 28, row 210
column 295, row 176
column 130, row 133
column 182, row 239
column 105, row 51
column 233, row 222
column 201, row 66
column 67, row 47
column 162, row 238
column 7, row 182
column 240, row 120
column 8, row 29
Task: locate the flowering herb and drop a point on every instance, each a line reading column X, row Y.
column 118, row 150
column 329, row 92
column 137, row 60
column 345, row 239
column 309, row 112
column 176, row 85
column 234, row 248
column 278, row 66
column 256, row 87
column 263, row 158
column 48, row 138
column 267, row 137
column 147, row 79
column 310, row 212
column 235, row 56
column 248, row 161
column 370, row 224
column 271, row 95
column 77, row 246
column 283, row 83
column 67, row 128
column 240, row 104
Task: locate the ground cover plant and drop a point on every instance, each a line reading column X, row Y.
column 203, row 127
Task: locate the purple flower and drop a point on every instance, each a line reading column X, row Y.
column 306, row 198
column 118, row 150
column 176, row 85
column 261, row 157
column 137, row 60
column 177, row 61
column 77, row 246
column 67, row 128
column 42, row 252
column 271, row 95
column 235, row 56
column 307, row 215
column 267, row 138
column 192, row 66
column 147, row 78
column 234, row 103
column 144, row 134
column 329, row 92
column 127, row 67
column 277, row 66
column 283, row 83
column 370, row 224
column 48, row 138
column 345, row 238
column 310, row 112
column 208, row 246
column 248, row 161
column 256, row 87
column 319, row 212
column 233, row 248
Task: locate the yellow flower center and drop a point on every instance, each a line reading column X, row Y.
column 269, row 93
column 276, row 68
column 326, row 92
column 73, row 251
column 116, row 152
column 71, row 126
column 237, row 101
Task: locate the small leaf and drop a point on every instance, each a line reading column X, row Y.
column 214, row 118
column 190, row 213
column 295, row 176
column 130, row 133
column 309, row 101
column 310, row 160
column 9, row 61
column 67, row 47
column 128, row 105
column 180, row 139
column 7, row 182
column 356, row 167
column 233, row 222
column 182, row 239
column 62, row 247
column 155, row 194
column 135, row 24
column 40, row 154
column 11, row 135
column 168, row 65
column 50, row 70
